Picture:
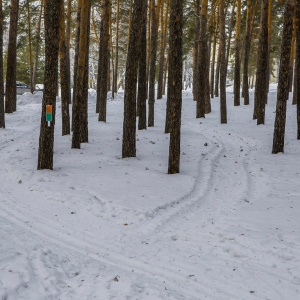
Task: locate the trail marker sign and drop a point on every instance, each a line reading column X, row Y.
column 49, row 117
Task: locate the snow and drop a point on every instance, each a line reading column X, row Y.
column 102, row 227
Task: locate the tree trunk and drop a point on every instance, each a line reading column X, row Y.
column 65, row 83
column 203, row 49
column 196, row 49
column 163, row 41
column 115, row 84
column 175, row 83
column 68, row 39
column 10, row 86
column 80, row 96
column 237, row 64
column 142, row 69
column 2, row 114
column 129, row 123
column 297, row 69
column 151, row 98
column 30, row 48
column 223, row 106
column 103, row 61
column 262, row 73
column 37, row 46
column 283, row 84
column 46, row 140
column 247, row 47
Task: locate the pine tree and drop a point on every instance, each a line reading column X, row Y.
column 129, row 123
column 10, row 86
column 297, row 69
column 175, row 83
column 283, row 83
column 2, row 114
column 46, row 141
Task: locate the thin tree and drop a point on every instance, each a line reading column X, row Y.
column 175, row 83
column 129, row 122
column 297, row 69
column 64, row 79
column 247, row 47
column 10, row 86
column 30, row 47
column 262, row 73
column 115, row 83
column 102, row 84
column 203, row 49
column 80, row 96
column 223, row 106
column 46, row 140
column 196, row 48
column 142, row 71
column 2, row 114
column 37, row 45
column 237, row 64
column 283, row 83
column 151, row 99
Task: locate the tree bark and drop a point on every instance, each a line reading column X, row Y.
column 196, row 49
column 65, row 83
column 175, row 83
column 283, row 84
column 102, row 86
column 237, row 64
column 142, row 70
column 297, row 69
column 129, row 123
column 223, row 106
column 80, row 95
column 2, row 113
column 46, row 140
column 262, row 73
column 151, row 98
column 10, row 86
column 203, row 49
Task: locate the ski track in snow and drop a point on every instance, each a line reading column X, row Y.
column 153, row 269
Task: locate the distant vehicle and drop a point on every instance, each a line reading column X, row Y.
column 21, row 88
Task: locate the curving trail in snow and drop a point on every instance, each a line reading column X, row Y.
column 101, row 227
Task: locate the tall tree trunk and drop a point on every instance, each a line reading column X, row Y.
column 37, row 46
column 283, row 84
column 46, row 140
column 262, row 73
column 115, row 84
column 151, row 98
column 10, row 86
column 30, row 47
column 212, row 68
column 2, row 114
column 196, row 49
column 80, row 96
column 77, row 39
column 203, row 49
column 247, row 47
column 68, row 40
column 65, row 88
column 223, row 106
column 129, row 123
column 142, row 70
column 237, row 64
column 174, row 83
column 163, row 42
column 297, row 69
column 103, row 61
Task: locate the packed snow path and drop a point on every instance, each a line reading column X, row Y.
column 102, row 227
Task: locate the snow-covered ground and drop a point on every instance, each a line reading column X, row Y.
column 103, row 227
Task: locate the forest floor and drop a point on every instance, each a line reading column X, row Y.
column 102, row 227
